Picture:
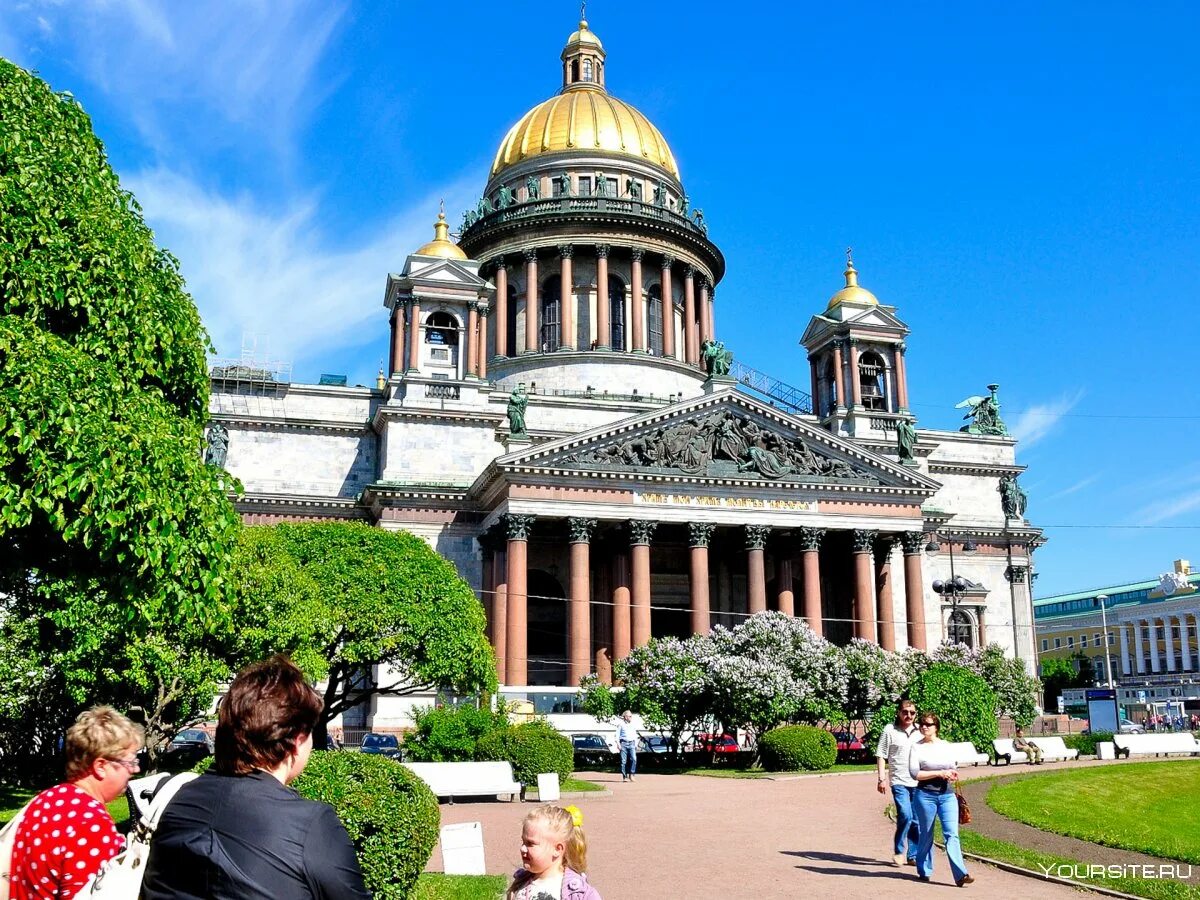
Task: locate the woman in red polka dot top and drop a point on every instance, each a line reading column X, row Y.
column 67, row 833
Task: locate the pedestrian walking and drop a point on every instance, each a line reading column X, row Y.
column 627, row 738
column 891, row 760
column 932, row 764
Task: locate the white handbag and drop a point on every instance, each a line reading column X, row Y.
column 8, row 838
column 121, row 877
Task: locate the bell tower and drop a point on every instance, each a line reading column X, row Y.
column 856, row 356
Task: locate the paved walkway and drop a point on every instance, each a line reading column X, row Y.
column 675, row 836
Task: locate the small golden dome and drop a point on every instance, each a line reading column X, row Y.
column 583, row 36
column 441, row 245
column 586, row 119
column 852, row 293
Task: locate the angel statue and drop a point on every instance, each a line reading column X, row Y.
column 985, row 413
column 1013, row 498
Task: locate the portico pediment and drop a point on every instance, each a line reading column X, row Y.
column 440, row 277
column 719, row 437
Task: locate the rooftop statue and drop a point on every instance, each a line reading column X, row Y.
column 533, row 188
column 601, row 185
column 698, row 218
column 518, row 400
column 660, row 194
column 216, row 447
column 717, row 360
column 1012, row 498
column 985, row 413
column 906, row 440
column 506, row 198
column 634, row 189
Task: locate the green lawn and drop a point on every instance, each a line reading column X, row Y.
column 13, row 798
column 578, row 784
column 434, row 886
column 1148, row 807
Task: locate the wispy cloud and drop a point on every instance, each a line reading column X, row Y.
column 1075, row 488
column 1039, row 421
column 253, row 270
column 252, row 64
column 1168, row 508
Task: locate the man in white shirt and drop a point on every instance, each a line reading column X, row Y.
column 891, row 760
column 627, row 737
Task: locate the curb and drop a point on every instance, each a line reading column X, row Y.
column 1041, row 876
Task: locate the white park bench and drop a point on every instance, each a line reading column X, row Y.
column 1156, row 744
column 965, row 754
column 467, row 779
column 1006, row 753
column 1053, row 748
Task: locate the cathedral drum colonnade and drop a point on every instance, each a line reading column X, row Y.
column 557, row 419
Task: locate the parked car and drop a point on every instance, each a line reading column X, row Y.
column 382, row 744
column 186, row 749
column 654, row 743
column 850, row 748
column 1127, row 727
column 592, row 750
column 715, row 743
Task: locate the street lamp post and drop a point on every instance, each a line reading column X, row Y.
column 1102, row 599
column 957, row 585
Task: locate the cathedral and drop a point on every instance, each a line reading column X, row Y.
column 559, row 418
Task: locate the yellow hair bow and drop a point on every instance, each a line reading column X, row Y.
column 576, row 815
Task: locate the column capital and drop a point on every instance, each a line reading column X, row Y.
column 531, row 255
column 912, row 541
column 864, row 539
column 473, row 306
column 901, row 347
column 756, row 536
column 884, row 544
column 853, row 342
column 637, row 253
column 484, row 309
column 705, row 284
column 641, row 530
column 810, row 538
column 1016, row 574
column 566, row 251
column 581, row 529
column 668, row 261
column 689, row 271
column 700, row 533
column 602, row 251
column 519, row 526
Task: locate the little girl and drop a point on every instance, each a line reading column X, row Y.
column 553, row 857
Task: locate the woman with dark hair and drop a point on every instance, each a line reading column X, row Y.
column 932, row 762
column 238, row 832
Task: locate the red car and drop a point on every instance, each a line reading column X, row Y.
column 850, row 748
column 715, row 743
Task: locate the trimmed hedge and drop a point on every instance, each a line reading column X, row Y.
column 450, row 733
column 390, row 814
column 533, row 748
column 1086, row 743
column 792, row 747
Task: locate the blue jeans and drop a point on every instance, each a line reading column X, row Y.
column 906, row 820
column 944, row 805
column 628, row 759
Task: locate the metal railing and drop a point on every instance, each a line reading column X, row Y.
column 777, row 393
column 557, row 206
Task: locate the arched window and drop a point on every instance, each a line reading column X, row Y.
column 655, row 319
column 574, row 71
column 587, row 70
column 548, row 313
column 441, row 328
column 616, row 312
column 959, row 629
column 871, row 381
column 829, row 384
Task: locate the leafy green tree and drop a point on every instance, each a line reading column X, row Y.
column 1058, row 674
column 962, row 700
column 368, row 611
column 114, row 536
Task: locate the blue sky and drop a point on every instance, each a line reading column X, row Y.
column 1020, row 182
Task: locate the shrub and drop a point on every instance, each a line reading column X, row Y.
column 792, row 747
column 533, row 748
column 1086, row 743
column 390, row 814
column 961, row 699
column 450, row 733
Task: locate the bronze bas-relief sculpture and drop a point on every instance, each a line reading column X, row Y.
column 694, row 445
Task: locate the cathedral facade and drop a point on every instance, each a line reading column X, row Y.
column 559, row 418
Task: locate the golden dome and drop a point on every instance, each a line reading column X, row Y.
column 852, row 293
column 586, row 119
column 583, row 36
column 441, row 245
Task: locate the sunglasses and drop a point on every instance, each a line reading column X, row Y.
column 928, row 725
column 131, row 764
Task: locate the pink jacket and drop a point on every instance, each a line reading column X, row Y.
column 574, row 887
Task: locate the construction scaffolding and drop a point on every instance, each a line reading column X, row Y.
column 251, row 384
column 777, row 393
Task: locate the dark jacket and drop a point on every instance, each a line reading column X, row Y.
column 247, row 837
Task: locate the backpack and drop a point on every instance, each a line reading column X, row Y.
column 121, row 877
column 8, row 839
